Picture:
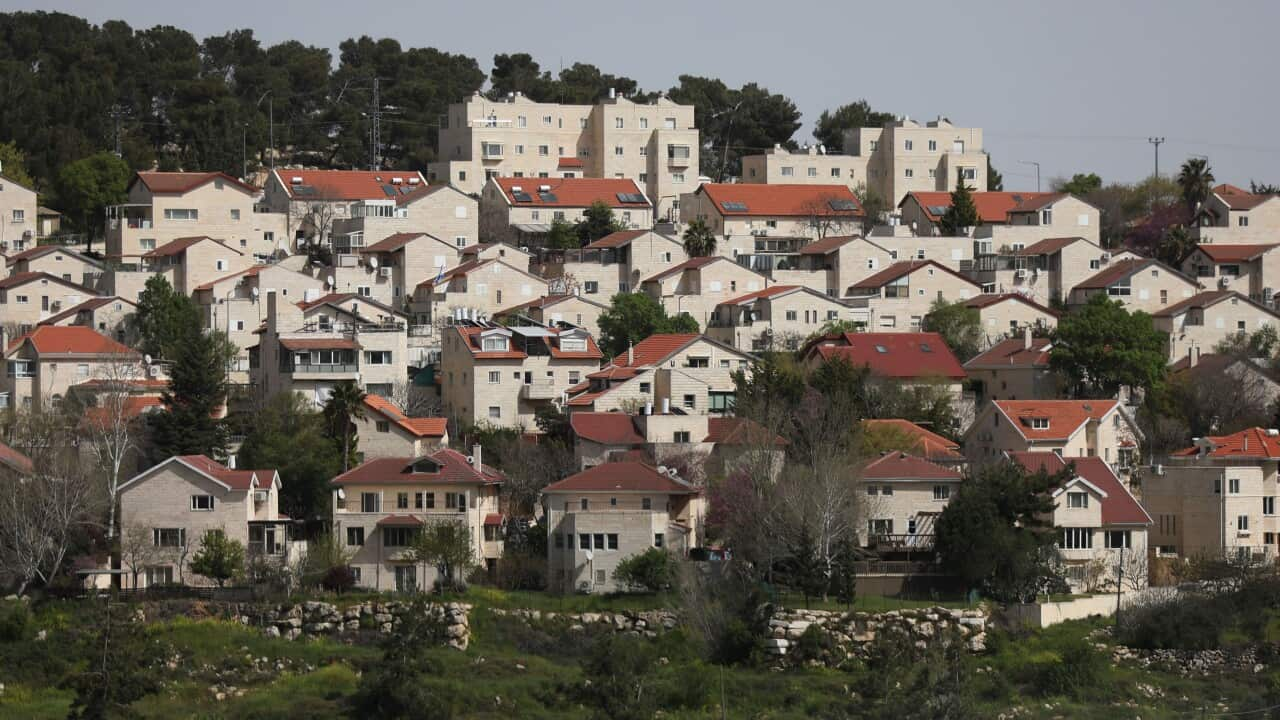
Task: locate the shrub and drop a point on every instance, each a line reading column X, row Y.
column 1069, row 669
column 651, row 570
column 1185, row 622
column 15, row 622
column 338, row 578
column 815, row 644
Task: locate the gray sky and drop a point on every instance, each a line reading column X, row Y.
column 1078, row 86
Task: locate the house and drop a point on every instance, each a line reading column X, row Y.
column 652, row 143
column 915, row 440
column 521, row 211
column 903, row 496
column 1071, row 428
column 193, row 261
column 603, row 437
column 473, row 290
column 1101, row 526
column 511, row 254
column 380, row 506
column 393, row 265
column 59, row 262
column 1217, row 498
column 1007, row 218
column 1234, row 216
column 49, row 222
column 412, row 208
column 17, row 216
column 696, row 286
column 1006, row 315
column 688, row 372
column 500, row 376
column 747, row 213
column 180, row 500
column 313, row 201
column 897, row 298
column 46, row 362
column 831, row 264
column 110, row 316
column 904, row 156
column 616, row 263
column 161, row 207
column 810, row 165
column 1207, row 318
column 1140, row 284
column 385, row 431
column 1013, row 369
column 556, row 310
column 1045, row 271
column 27, row 298
column 780, row 316
column 605, row 514
column 952, row 251
column 1252, row 270
column 1249, row 381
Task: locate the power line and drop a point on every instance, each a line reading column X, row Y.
column 118, row 113
column 1156, row 141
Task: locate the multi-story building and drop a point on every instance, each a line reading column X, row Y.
column 898, row 297
column 1070, row 428
column 904, row 156
column 603, row 437
column 163, row 206
column 1233, row 216
column 400, row 261
column 903, row 495
column 1141, row 284
column 381, row 505
column 186, row 497
column 777, row 317
column 110, row 316
column 655, row 144
column 1007, row 314
column 810, row 165
column 18, row 216
column 45, row 362
column 605, row 514
column 693, row 373
column 59, row 262
column 312, row 203
column 1217, row 498
column 616, row 263
column 954, row 251
column 385, row 431
column 696, row 286
column 190, row 262
column 501, row 376
column 1015, row 369
column 473, row 290
column 1045, row 271
column 744, row 214
column 553, row 310
column 1206, row 319
column 522, row 212
column 441, row 211
column 27, row 298
column 1253, row 270
column 1007, row 218
column 510, row 254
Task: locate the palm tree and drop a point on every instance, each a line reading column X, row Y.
column 1196, row 181
column 699, row 241
column 345, row 405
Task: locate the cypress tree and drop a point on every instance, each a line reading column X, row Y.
column 197, row 390
column 963, row 212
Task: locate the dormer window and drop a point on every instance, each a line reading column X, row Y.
column 573, row 344
column 424, row 465
column 1038, row 423
column 495, row 344
column 1077, row 500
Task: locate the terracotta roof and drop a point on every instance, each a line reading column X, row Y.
column 545, row 301
column 986, row 300
column 768, row 292
column 1213, row 365
column 319, row 344
column 331, row 185
column 140, row 384
column 421, row 191
column 1048, row 246
column 471, row 338
column 399, row 520
column 71, row 340
column 1119, row 507
column 758, row 200
column 690, row 264
column 611, row 372
column 653, row 350
column 827, row 245
column 1237, row 198
column 925, row 442
column 898, row 465
column 620, row 477
column 1065, row 416
column 900, row 269
column 180, row 245
column 236, row 479
column 131, row 407
column 22, row 278
column 449, row 466
column 90, row 304
column 168, row 183
column 1234, row 253
column 895, row 355
column 1014, row 353
column 42, row 250
column 572, row 192
column 1252, row 443
column 569, row 162
column 606, row 428
column 247, row 272
column 419, row 427
column 493, row 519
column 993, row 207
column 1205, row 299
column 615, row 239
column 393, row 242
column 15, row 460
column 1121, row 269
column 739, row 431
column 586, row 399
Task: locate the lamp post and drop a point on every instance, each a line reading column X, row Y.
column 724, row 158
column 271, row 124
column 1033, row 162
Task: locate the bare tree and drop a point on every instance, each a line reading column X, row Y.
column 138, row 551
column 314, row 217
column 415, row 401
column 111, row 427
column 39, row 519
column 831, row 216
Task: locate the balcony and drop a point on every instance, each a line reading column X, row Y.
column 491, row 151
column 538, row 390
column 324, row 369
column 678, row 155
column 900, row 542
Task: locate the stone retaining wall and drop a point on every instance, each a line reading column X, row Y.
column 319, row 619
column 853, row 632
column 648, row 623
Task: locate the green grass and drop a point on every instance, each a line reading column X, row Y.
column 213, row 641
column 21, row 701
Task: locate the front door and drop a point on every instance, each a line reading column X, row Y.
column 406, row 578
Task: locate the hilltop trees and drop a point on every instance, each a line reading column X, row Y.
column 190, row 424
column 1195, row 180
column 1101, row 347
column 831, row 125
column 632, row 317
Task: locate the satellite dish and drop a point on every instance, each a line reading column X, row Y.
column 662, row 469
column 342, row 494
column 373, row 262
column 254, row 292
column 328, row 281
column 146, row 359
column 590, row 555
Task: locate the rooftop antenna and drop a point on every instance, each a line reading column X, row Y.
column 376, row 111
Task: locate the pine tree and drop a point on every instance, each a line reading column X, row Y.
column 189, row 425
column 807, row 571
column 844, row 575
column 963, row 212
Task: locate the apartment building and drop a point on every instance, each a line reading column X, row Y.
column 811, row 164
column 1070, row 428
column 903, row 496
column 744, row 213
column 1245, row 378
column 441, row 211
column 1206, row 319
column 1008, row 217
column 555, row 310
column 395, row 264
column 185, row 497
column 605, row 514
column 474, row 290
column 161, row 207
column 1017, row 368
column 1141, row 284
column 381, row 505
column 698, row 285
column 898, row 297
column 311, row 202
column 1045, row 271
column 777, row 317
column 1234, row 216
column 510, row 254
column 1005, row 315
column 654, row 144
column 27, row 298
column 193, row 261
column 385, row 431
column 913, row 439
column 500, row 376
column 110, row 316
column 59, row 262
column 616, row 263
column 1253, row 270
column 18, row 209
column 1101, row 525
column 905, row 156
column 693, row 373
column 955, row 252
column 655, row 438
column 45, row 362
column 521, row 212
column 828, row 265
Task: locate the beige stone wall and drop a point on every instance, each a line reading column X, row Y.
column 927, row 285
column 1007, row 318
column 54, row 376
column 806, row 167
column 697, row 292
column 381, row 437
column 17, row 217
column 486, row 290
column 1205, row 329
column 1016, row 384
column 909, row 499
column 37, row 299
column 1151, row 290
column 1263, row 225
column 854, row 262
column 226, row 212
column 574, row 311
column 782, row 322
column 1194, row 518
column 930, row 169
column 952, row 252
column 69, row 267
column 993, row 434
column 207, row 261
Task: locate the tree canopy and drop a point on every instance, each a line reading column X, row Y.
column 632, row 317
column 190, row 423
column 831, row 125
column 962, row 213
column 597, row 221
column 288, row 434
column 699, row 241
column 164, row 318
column 1101, row 346
column 733, row 122
column 959, row 325
column 1080, row 184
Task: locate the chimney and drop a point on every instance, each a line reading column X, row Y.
column 631, row 354
column 477, row 461
column 613, row 93
column 1026, row 337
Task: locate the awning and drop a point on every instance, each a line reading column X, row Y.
column 533, row 228
column 399, row 520
column 319, row 344
column 493, row 519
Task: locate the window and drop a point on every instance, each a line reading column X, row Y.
column 1269, row 505
column 699, row 362
column 835, row 172
column 970, row 173
column 494, row 344
column 658, row 539
column 202, row 503
column 613, row 541
column 1242, row 523
column 791, row 315
column 908, row 173
column 186, row 214
column 377, row 357
column 1077, row 500
column 813, row 172
column 677, row 177
column 1233, row 486
column 355, row 536
column 169, row 537
column 495, row 377
column 886, row 490
column 495, row 412
column 646, row 503
column 618, row 123
column 398, row 537
column 933, row 145
column 680, row 436
column 431, row 500
column 873, row 489
column 235, row 214
column 907, row 145
column 1076, row 539
column 1039, row 423
column 880, row 527
column 363, row 291
column 690, row 401
column 370, row 502
column 788, row 171
column 1242, row 221
column 941, row 492
column 617, row 151
column 19, row 215
column 544, row 150
column 402, row 501
column 645, row 387
column 1116, row 539
column 584, row 541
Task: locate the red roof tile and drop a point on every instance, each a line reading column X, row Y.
column 87, row 305
column 1065, row 416
column 1013, row 353
column 653, row 350
column 569, row 162
column 170, row 183
column 235, row 479
column 1119, row 507
column 993, row 207
column 986, row 300
column 1048, row 246
column 572, row 192
column 17, row 461
column 22, row 278
column 328, row 185
column 1204, row 299
column 781, row 200
column 493, row 519
column 615, row 239
column 176, row 247
column 448, row 466
column 772, row 291
column 606, row 428
column 42, row 250
column 894, row 355
column 393, row 242
column 923, row 442
column 900, row 269
column 691, row 264
column 420, row 427
column 1239, row 198
column 827, row 245
column 898, row 465
column 399, row 521
column 1251, row 443
column 1119, row 270
column 319, row 344
column 471, row 337
column 620, row 477
column 1234, row 253
column 544, row 302
column 131, row 407
column 739, row 431
column 247, row 272
column 71, row 340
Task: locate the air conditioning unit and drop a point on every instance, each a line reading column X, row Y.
column 55, row 305
column 384, row 272
column 1224, row 281
column 1105, row 258
column 153, row 371
column 1020, row 274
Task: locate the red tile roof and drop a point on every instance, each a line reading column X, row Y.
column 176, row 247
column 615, row 239
column 493, row 519
column 653, row 350
column 1048, row 246
column 898, row 465
column 328, row 185
column 1065, row 416
column 988, row 299
column 1252, row 443
column 739, row 431
column 781, row 200
column 393, row 242
column 42, row 250
column 1119, row 507
column 606, row 428
column 399, row 520
column 247, row 272
column 71, row 340
column 1234, row 253
column 22, row 278
column 894, row 355
column 1205, row 299
column 1121, row 269
column 1013, row 353
column 450, row 467
column 573, row 192
column 421, row 191
column 1238, row 198
column 924, row 442
column 471, row 338
column 900, row 269
column 772, row 291
column 235, row 479
column 690, row 264
column 569, row 162
column 827, row 245
column 170, row 183
column 17, row 461
column 620, row 477
column 319, row 344
column 993, row 207
column 461, row 269
column 545, row 301
column 87, row 305
column 419, row 427
column 131, row 407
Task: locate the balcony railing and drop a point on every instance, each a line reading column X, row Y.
column 539, row 390
column 889, row 541
column 422, row 330
column 328, row 369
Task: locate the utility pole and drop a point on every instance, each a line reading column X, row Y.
column 376, row 111
column 1033, row 162
column 1157, row 141
column 118, row 113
